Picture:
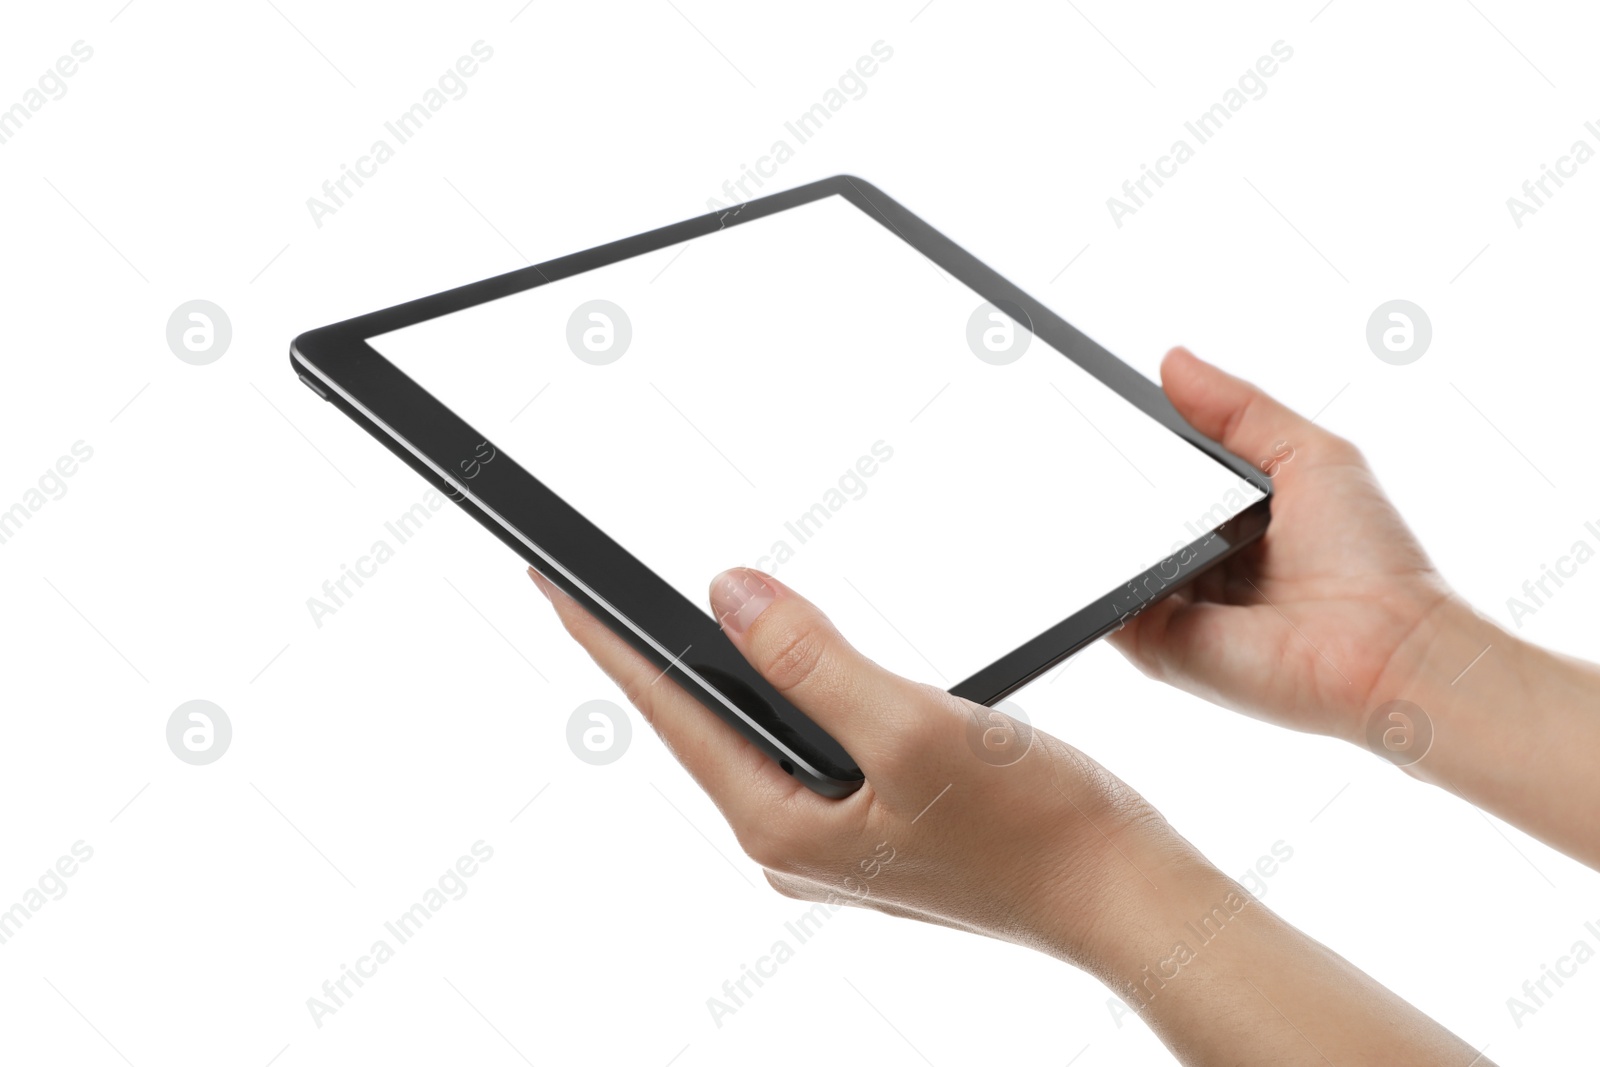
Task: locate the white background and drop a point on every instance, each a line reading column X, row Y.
column 368, row 754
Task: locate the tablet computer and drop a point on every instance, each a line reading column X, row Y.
column 820, row 385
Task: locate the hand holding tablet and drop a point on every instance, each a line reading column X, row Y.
column 1047, row 850
column 822, row 385
column 785, row 370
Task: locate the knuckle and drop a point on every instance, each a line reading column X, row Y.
column 925, row 731
column 791, row 653
column 921, row 736
column 641, row 694
column 783, row 886
column 1340, row 450
column 765, row 845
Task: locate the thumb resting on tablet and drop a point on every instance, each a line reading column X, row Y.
column 1336, row 622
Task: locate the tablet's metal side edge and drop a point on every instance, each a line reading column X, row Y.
column 1110, row 612
column 301, row 365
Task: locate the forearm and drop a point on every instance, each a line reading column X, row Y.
column 1516, row 728
column 1221, row 979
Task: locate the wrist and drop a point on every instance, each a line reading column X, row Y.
column 1452, row 665
column 1504, row 724
column 1491, row 705
column 1132, row 883
column 1219, row 978
column 1163, row 913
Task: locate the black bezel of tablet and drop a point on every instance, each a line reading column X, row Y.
column 678, row 636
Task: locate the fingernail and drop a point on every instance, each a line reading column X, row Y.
column 738, row 596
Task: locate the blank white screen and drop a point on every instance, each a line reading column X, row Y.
column 799, row 395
